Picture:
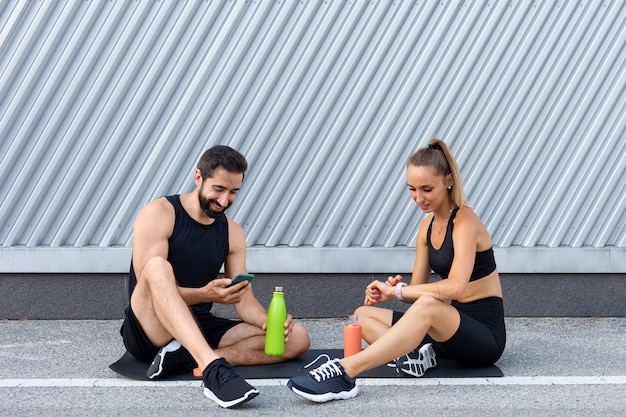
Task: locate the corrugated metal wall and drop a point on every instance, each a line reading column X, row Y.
column 107, row 105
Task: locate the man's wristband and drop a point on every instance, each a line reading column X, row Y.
column 399, row 286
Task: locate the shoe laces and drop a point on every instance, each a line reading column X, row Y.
column 318, row 358
column 403, row 360
column 327, row 370
column 224, row 373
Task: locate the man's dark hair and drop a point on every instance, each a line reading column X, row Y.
column 222, row 156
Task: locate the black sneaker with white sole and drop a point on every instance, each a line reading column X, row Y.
column 172, row 359
column 224, row 386
column 325, row 383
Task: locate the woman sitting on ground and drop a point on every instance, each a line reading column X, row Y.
column 460, row 317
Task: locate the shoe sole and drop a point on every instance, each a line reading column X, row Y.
column 426, row 360
column 228, row 404
column 322, row 398
column 170, row 347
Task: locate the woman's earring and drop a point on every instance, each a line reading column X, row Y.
column 450, row 187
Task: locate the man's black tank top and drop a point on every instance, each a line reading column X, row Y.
column 196, row 251
column 440, row 260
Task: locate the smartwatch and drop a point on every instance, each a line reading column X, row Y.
column 399, row 286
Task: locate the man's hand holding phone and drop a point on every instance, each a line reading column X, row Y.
column 239, row 278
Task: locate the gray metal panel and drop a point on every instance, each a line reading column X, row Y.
column 107, row 105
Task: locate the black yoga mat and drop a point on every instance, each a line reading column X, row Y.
column 446, row 368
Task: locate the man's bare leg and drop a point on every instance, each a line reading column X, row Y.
column 164, row 315
column 244, row 344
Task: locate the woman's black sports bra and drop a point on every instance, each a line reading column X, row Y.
column 440, row 260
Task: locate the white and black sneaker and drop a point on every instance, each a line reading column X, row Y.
column 224, row 386
column 423, row 360
column 171, row 359
column 325, row 383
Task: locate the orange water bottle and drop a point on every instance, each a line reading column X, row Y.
column 351, row 336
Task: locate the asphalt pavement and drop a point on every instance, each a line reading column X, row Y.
column 551, row 366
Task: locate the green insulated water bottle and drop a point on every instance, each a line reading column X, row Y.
column 275, row 331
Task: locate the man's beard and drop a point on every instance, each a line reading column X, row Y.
column 205, row 205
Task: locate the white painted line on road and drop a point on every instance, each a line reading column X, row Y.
column 512, row 380
column 93, row 382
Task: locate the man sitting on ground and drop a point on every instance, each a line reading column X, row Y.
column 180, row 245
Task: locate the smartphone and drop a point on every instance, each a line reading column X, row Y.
column 241, row 277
